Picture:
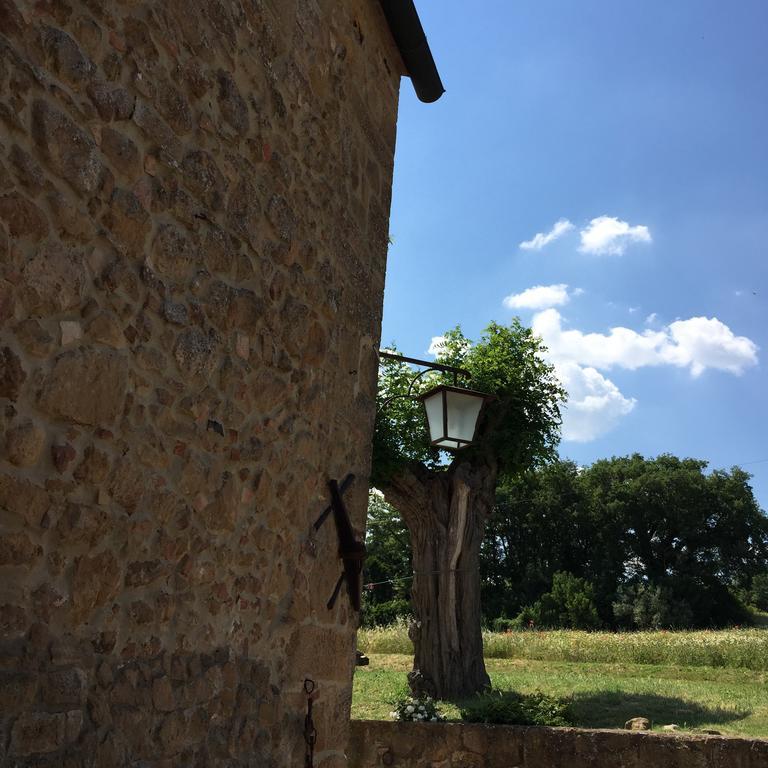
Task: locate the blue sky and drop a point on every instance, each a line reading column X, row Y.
column 632, row 137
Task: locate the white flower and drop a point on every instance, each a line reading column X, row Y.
column 409, row 709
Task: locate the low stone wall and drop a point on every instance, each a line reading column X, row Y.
column 452, row 745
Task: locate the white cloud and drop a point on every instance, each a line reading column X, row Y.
column 608, row 235
column 698, row 343
column 651, row 319
column 435, row 346
column 540, row 297
column 705, row 342
column 540, row 239
column 595, row 404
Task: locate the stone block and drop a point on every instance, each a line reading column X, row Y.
column 121, row 152
column 62, row 456
column 105, row 329
column 12, row 374
column 195, row 352
column 36, row 733
column 163, row 697
column 71, row 331
column 55, row 279
column 232, row 106
column 127, row 220
column 24, row 499
column 157, row 132
column 96, row 580
column 65, row 58
column 81, row 524
column 228, row 308
column 68, row 149
column 24, row 443
column 173, row 253
column 16, row 548
column 13, row 620
column 204, row 179
column 16, row 690
column 64, row 687
column 23, row 218
column 112, row 102
column 85, row 386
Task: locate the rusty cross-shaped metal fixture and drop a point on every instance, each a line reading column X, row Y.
column 351, row 551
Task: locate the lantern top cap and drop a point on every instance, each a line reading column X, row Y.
column 460, row 390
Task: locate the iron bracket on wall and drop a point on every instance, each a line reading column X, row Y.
column 351, row 551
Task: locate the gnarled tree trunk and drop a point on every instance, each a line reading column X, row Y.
column 446, row 513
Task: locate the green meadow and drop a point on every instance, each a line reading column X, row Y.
column 698, row 680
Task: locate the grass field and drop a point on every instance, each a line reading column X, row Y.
column 611, row 678
column 734, row 648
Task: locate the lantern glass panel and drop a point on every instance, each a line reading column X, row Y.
column 433, row 405
column 463, row 410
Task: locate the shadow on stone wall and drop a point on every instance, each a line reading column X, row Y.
column 611, row 709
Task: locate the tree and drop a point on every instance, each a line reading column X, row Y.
column 542, row 523
column 662, row 541
column 759, row 592
column 694, row 537
column 446, row 500
column 569, row 604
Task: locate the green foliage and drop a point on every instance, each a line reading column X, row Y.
column 503, row 624
column 541, row 524
column 520, row 428
column 568, row 605
column 695, row 540
column 644, row 606
column 759, row 592
column 387, row 567
column 421, row 709
column 512, row 708
column 382, row 614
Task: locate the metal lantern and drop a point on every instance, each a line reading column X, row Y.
column 452, row 415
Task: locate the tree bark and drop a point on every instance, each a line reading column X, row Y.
column 446, row 514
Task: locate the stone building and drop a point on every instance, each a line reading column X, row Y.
column 194, row 203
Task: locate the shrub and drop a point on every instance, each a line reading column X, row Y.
column 384, row 614
column 569, row 604
column 512, row 708
column 417, row 710
column 759, row 592
column 503, row 624
column 644, row 606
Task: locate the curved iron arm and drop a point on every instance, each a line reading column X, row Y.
column 409, row 394
column 428, row 365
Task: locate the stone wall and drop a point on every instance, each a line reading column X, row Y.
column 194, row 203
column 453, row 745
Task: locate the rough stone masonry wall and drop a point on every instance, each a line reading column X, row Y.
column 194, row 202
column 451, row 745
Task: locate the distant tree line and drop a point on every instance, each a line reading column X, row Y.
column 627, row 542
